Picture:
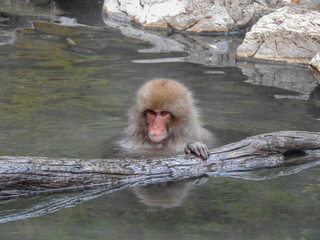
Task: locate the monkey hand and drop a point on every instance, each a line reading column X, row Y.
column 197, row 148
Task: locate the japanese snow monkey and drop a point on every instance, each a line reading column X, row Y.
column 164, row 120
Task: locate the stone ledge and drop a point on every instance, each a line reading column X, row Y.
column 192, row 16
column 291, row 34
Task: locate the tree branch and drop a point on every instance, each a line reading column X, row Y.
column 23, row 176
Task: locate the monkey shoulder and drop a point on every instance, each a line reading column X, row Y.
column 207, row 136
column 203, row 135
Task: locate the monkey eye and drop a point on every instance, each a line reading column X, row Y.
column 163, row 113
column 151, row 112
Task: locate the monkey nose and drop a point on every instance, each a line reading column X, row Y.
column 156, row 123
column 155, row 126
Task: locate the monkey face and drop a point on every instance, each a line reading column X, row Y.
column 158, row 121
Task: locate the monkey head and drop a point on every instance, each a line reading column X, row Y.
column 166, row 95
column 165, row 120
column 159, row 99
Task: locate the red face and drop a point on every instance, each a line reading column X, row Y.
column 157, row 124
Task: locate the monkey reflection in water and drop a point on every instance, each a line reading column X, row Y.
column 166, row 195
column 164, row 120
column 163, row 195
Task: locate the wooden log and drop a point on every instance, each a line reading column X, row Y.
column 23, row 176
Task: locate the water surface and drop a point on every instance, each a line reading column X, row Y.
column 65, row 92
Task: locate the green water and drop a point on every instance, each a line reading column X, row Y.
column 65, row 92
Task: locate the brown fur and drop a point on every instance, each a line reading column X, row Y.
column 171, row 96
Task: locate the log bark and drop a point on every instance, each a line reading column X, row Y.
column 23, row 176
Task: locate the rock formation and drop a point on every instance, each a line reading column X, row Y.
column 315, row 62
column 291, row 34
column 315, row 67
column 192, row 15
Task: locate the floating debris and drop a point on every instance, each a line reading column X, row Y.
column 214, row 72
column 71, row 42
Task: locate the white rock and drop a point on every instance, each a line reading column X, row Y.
column 315, row 62
column 191, row 15
column 290, row 35
column 217, row 19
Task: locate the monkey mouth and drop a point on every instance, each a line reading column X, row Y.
column 157, row 137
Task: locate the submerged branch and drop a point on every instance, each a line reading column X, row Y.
column 23, row 176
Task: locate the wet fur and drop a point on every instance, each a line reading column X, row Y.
column 166, row 95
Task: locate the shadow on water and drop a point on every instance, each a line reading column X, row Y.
column 65, row 89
